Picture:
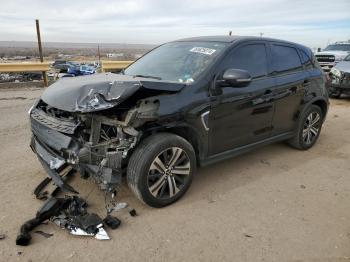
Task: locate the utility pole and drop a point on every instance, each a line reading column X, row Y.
column 41, row 51
column 99, row 54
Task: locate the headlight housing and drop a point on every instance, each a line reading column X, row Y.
column 336, row 72
column 33, row 106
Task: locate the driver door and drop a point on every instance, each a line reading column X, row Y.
column 242, row 115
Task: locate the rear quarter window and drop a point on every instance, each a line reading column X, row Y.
column 306, row 58
column 285, row 58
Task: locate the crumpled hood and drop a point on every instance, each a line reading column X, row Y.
column 99, row 91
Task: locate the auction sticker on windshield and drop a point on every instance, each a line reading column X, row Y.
column 203, row 50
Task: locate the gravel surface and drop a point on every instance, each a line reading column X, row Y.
column 273, row 204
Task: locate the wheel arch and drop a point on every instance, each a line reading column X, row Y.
column 321, row 103
column 184, row 131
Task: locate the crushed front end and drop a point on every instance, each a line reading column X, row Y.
column 92, row 123
column 340, row 80
column 96, row 144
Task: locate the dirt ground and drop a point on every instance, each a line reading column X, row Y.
column 273, row 204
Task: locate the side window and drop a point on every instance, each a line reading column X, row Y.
column 251, row 58
column 305, row 59
column 285, row 58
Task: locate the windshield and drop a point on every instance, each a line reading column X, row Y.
column 177, row 62
column 342, row 47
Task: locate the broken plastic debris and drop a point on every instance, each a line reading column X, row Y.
column 69, row 213
column 120, row 205
column 133, row 213
column 44, row 234
column 100, row 235
column 116, row 206
column 112, row 222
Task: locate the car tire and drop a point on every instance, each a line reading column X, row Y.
column 309, row 128
column 161, row 169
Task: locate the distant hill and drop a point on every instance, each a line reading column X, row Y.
column 62, row 45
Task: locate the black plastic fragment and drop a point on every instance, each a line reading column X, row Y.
column 44, row 234
column 50, row 208
column 2, row 236
column 56, row 178
column 38, row 190
column 133, row 213
column 112, row 222
column 77, row 206
column 88, row 222
column 69, row 213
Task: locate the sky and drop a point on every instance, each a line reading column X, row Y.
column 311, row 22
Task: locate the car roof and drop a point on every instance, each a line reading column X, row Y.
column 229, row 39
column 236, row 38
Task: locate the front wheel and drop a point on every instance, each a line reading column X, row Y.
column 309, row 128
column 161, row 169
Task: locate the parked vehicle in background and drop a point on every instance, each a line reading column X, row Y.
column 187, row 103
column 59, row 62
column 80, row 70
column 63, row 65
column 333, row 54
column 340, row 78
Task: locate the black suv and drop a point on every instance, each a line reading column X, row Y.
column 184, row 104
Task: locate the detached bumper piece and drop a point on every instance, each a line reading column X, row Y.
column 51, row 163
column 69, row 213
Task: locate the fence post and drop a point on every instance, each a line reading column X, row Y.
column 41, row 51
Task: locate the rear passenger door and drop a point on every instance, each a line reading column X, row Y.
column 290, row 80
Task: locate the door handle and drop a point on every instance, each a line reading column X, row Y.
column 266, row 97
column 283, row 94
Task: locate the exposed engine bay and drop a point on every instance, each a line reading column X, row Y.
column 95, row 144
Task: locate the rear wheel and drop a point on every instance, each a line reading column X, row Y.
column 161, row 169
column 309, row 128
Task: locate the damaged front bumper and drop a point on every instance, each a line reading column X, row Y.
column 51, row 163
column 93, row 144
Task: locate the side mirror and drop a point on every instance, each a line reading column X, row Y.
column 235, row 78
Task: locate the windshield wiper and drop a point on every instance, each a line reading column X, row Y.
column 146, row 76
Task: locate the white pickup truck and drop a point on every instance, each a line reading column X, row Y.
column 333, row 54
